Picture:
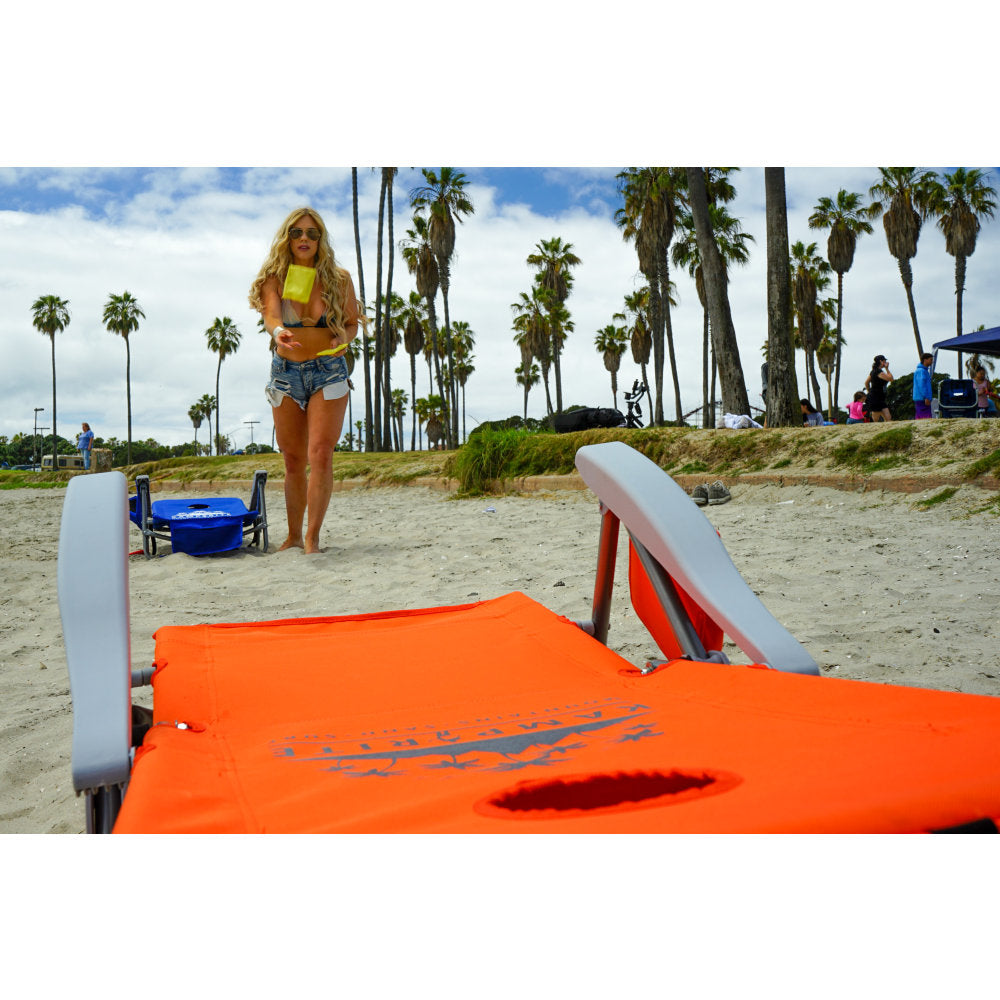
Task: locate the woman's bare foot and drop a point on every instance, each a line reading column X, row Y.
column 312, row 547
column 291, row 543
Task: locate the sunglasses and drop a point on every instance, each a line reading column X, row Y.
column 311, row 234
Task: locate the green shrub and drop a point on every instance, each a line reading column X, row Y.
column 485, row 459
column 946, row 494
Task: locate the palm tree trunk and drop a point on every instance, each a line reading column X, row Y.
column 656, row 325
column 128, row 395
column 364, row 331
column 387, row 352
column 218, row 423
column 959, row 290
column 413, row 402
column 712, row 399
column 708, row 415
column 840, row 314
column 782, row 393
column 665, row 283
column 727, row 351
column 556, row 351
column 452, row 422
column 906, row 273
column 432, row 322
column 545, row 380
column 55, row 461
column 379, row 332
column 811, row 368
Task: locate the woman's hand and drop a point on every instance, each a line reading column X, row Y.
column 284, row 338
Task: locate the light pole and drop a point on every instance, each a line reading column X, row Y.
column 34, row 440
column 251, row 423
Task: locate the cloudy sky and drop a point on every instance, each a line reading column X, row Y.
column 186, row 242
column 164, row 170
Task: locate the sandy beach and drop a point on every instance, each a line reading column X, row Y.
column 875, row 586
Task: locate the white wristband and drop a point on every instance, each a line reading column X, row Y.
column 277, row 330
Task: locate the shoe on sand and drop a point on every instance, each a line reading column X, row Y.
column 717, row 493
column 700, row 494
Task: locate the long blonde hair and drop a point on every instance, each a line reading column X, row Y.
column 333, row 278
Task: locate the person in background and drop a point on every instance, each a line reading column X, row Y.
column 922, row 388
column 811, row 417
column 878, row 379
column 984, row 393
column 856, row 411
column 84, row 443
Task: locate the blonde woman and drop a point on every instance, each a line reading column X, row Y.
column 308, row 386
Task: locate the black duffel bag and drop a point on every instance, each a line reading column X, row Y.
column 586, row 418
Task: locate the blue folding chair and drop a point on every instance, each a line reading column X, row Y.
column 203, row 525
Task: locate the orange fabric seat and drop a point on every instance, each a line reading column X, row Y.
column 503, row 717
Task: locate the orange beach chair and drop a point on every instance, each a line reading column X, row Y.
column 503, row 717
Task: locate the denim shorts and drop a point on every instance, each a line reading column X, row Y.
column 300, row 380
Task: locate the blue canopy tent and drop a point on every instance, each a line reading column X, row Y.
column 980, row 342
column 957, row 397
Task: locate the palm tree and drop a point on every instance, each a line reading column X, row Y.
column 527, row 375
column 731, row 240
column 464, row 339
column 207, row 404
column 223, row 339
column 399, row 401
column 531, row 328
column 412, row 318
column 847, row 218
column 612, row 341
column 446, row 202
column 727, row 352
column 553, row 261
column 826, row 358
column 420, row 412
column 810, row 275
column 436, row 412
column 50, row 315
column 652, row 197
column 903, row 194
column 195, row 416
column 121, row 316
column 637, row 306
column 422, row 264
column 960, row 201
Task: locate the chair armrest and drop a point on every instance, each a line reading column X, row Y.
column 679, row 536
column 93, row 603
